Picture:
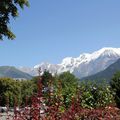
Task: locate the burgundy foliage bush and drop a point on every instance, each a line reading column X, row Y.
column 51, row 108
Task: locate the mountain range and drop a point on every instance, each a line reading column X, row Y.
column 97, row 63
column 85, row 65
column 106, row 74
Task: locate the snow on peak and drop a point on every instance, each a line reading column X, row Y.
column 109, row 50
column 46, row 64
column 106, row 51
column 67, row 60
column 83, row 58
column 85, row 64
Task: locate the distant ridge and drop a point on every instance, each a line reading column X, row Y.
column 12, row 72
column 106, row 74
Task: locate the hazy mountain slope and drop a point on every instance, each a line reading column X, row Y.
column 30, row 71
column 12, row 72
column 105, row 74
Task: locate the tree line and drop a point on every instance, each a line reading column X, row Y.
column 66, row 85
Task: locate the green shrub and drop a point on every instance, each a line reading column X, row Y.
column 115, row 85
column 95, row 95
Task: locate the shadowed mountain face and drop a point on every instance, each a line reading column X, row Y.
column 12, row 72
column 84, row 65
column 106, row 74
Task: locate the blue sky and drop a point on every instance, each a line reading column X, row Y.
column 53, row 29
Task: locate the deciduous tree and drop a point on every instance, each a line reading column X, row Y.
column 9, row 9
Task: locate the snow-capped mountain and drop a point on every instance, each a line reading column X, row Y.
column 84, row 65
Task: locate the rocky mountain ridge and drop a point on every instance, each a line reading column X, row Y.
column 84, row 65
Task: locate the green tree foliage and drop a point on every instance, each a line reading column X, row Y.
column 27, row 89
column 46, row 78
column 9, row 90
column 69, row 84
column 95, row 95
column 8, row 9
column 64, row 88
column 35, row 82
column 115, row 84
column 45, row 84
